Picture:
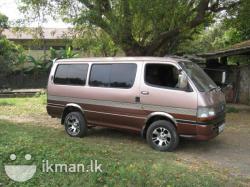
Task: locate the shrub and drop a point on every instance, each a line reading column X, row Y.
column 8, row 55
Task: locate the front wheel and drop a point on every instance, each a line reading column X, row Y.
column 162, row 136
column 75, row 124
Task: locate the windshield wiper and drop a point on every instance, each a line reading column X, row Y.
column 214, row 88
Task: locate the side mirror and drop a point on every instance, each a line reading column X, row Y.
column 183, row 81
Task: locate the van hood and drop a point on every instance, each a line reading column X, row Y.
column 212, row 98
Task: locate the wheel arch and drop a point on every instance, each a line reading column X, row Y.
column 155, row 116
column 71, row 107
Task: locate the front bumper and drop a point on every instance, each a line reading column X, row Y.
column 207, row 130
column 210, row 129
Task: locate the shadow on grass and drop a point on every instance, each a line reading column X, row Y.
column 113, row 134
column 185, row 145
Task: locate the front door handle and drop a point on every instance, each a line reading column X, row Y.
column 144, row 92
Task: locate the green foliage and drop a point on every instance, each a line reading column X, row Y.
column 69, row 53
column 240, row 19
column 35, row 64
column 232, row 28
column 43, row 63
column 8, row 50
column 14, row 59
column 94, row 42
column 3, row 22
column 6, row 103
column 9, row 54
column 62, row 53
column 232, row 110
column 217, row 37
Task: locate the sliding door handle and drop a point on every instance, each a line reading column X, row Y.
column 137, row 99
column 144, row 92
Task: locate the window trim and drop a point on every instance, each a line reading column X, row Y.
column 136, row 68
column 72, row 84
column 160, row 87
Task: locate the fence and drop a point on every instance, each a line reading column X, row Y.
column 21, row 80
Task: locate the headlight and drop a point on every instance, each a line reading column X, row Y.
column 204, row 112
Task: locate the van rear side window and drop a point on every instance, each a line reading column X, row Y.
column 113, row 75
column 71, row 74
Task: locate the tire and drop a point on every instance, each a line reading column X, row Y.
column 162, row 136
column 75, row 124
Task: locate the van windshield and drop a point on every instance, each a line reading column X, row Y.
column 201, row 80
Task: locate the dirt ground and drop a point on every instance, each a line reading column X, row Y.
column 229, row 151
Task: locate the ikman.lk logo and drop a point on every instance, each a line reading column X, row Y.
column 20, row 173
column 23, row 173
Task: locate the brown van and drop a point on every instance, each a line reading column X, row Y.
column 163, row 99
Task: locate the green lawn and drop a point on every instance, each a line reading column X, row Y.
column 126, row 159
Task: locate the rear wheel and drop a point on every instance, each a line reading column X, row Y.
column 162, row 136
column 75, row 124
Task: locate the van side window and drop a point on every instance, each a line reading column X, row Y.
column 99, row 75
column 122, row 75
column 162, row 75
column 71, row 74
column 113, row 75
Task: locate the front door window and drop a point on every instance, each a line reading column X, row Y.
column 162, row 75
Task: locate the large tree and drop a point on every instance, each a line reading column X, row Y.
column 8, row 50
column 239, row 19
column 3, row 22
column 138, row 27
column 232, row 28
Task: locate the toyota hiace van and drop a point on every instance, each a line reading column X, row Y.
column 161, row 98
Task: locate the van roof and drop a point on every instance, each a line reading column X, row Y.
column 174, row 59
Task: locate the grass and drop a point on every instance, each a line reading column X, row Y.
column 123, row 164
column 232, row 110
column 126, row 159
column 22, row 106
column 6, row 103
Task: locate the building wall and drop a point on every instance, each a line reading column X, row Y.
column 238, row 91
column 230, row 90
column 244, row 94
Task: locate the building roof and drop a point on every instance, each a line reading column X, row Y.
column 242, row 48
column 36, row 33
